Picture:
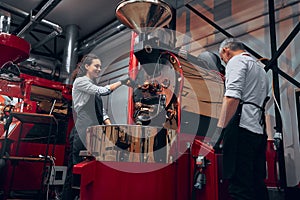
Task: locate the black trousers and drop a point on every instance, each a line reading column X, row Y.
column 247, row 182
column 76, row 146
column 92, row 114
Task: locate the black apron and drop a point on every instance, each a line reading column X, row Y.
column 86, row 117
column 231, row 136
column 230, row 143
column 99, row 108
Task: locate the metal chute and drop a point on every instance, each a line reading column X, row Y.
column 140, row 14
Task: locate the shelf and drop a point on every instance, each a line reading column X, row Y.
column 22, row 158
column 34, row 118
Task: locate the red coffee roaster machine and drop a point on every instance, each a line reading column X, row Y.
column 33, row 130
column 162, row 153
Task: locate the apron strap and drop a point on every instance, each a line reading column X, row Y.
column 262, row 121
column 237, row 116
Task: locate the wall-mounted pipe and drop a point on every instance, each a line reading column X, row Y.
column 99, row 32
column 70, row 56
column 89, row 44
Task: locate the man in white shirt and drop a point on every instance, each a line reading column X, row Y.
column 244, row 141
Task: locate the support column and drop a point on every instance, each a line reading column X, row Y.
column 278, row 137
column 70, row 56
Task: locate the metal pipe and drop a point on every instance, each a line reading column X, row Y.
column 13, row 10
column 85, row 47
column 22, row 13
column 37, row 39
column 31, row 20
column 101, row 31
column 70, row 56
column 43, row 10
column 46, row 39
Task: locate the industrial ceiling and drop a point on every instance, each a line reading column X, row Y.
column 55, row 15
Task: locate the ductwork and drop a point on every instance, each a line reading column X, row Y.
column 105, row 33
column 70, row 55
column 100, row 32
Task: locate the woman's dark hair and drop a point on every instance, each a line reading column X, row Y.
column 80, row 69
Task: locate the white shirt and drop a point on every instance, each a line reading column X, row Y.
column 247, row 80
column 83, row 88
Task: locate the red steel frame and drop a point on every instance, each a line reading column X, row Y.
column 14, row 178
